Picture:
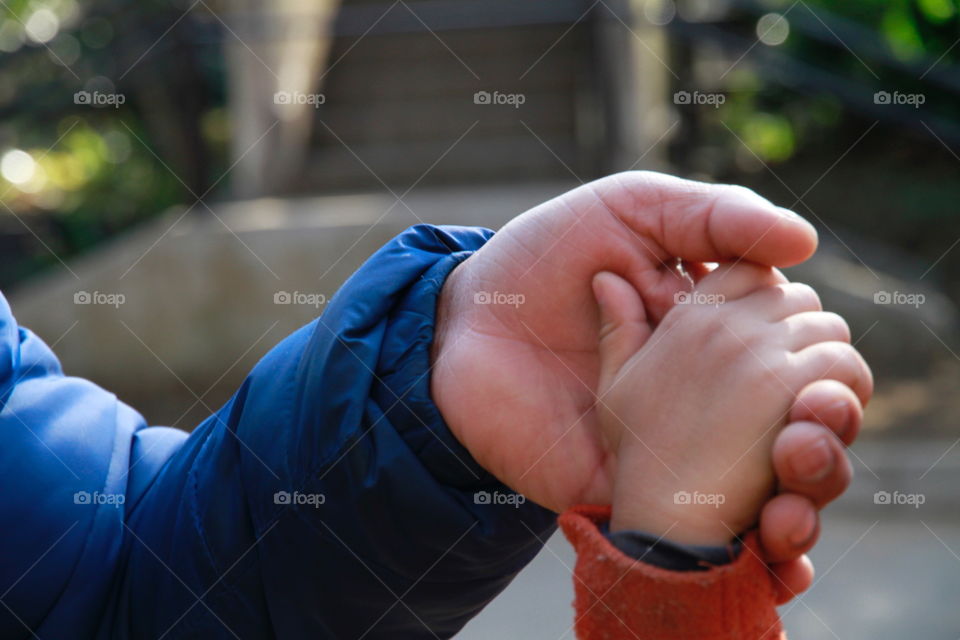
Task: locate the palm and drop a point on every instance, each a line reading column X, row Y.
column 516, row 383
column 540, row 355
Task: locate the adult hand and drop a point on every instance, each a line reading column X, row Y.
column 516, row 384
column 812, row 469
column 516, row 348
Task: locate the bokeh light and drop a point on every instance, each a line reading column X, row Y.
column 773, row 29
column 42, row 26
column 17, row 167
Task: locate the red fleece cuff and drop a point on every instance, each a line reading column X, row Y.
column 620, row 597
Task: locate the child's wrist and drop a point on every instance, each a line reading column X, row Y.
column 675, row 520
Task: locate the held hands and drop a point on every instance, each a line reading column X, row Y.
column 517, row 383
column 693, row 408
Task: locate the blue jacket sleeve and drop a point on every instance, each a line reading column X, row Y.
column 326, row 499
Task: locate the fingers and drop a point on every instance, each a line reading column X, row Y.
column 707, row 223
column 791, row 578
column 811, row 462
column 811, row 327
column 834, row 361
column 623, row 321
column 738, row 279
column 831, row 404
column 789, row 526
column 782, row 300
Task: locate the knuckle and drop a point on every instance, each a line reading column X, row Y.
column 830, row 323
column 806, row 295
column 840, row 352
column 840, row 324
column 750, row 352
column 840, row 355
column 736, row 190
column 723, row 340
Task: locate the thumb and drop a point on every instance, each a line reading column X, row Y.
column 623, row 322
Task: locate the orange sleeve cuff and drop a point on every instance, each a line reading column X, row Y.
column 620, row 597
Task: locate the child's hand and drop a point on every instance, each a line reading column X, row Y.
column 691, row 415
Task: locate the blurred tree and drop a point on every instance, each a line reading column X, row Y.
column 109, row 114
column 804, row 119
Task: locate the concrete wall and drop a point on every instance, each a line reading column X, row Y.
column 198, row 288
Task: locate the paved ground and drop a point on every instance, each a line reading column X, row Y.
column 885, row 571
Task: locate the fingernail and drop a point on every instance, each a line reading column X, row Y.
column 813, row 462
column 790, row 213
column 796, row 217
column 844, row 426
column 801, row 536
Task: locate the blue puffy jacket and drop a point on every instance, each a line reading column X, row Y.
column 326, row 499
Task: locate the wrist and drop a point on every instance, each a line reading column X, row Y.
column 681, row 516
column 443, row 321
column 673, row 527
column 448, row 359
column 405, row 375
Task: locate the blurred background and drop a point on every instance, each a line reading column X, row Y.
column 182, row 183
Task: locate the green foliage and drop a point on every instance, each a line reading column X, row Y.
column 777, row 123
column 92, row 170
